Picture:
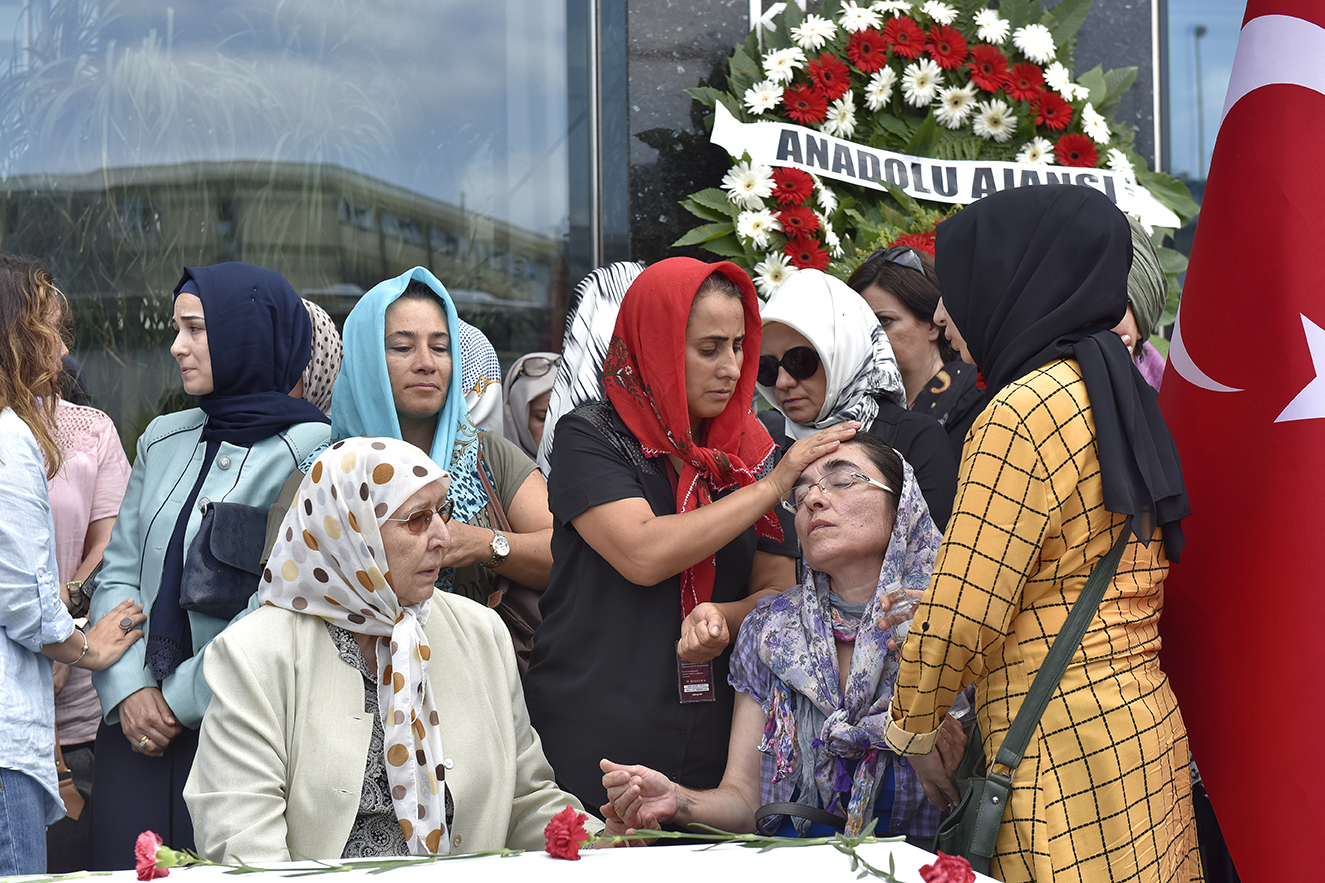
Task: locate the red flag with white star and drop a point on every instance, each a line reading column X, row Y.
column 1244, row 394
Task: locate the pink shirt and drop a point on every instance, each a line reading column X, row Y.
column 88, row 487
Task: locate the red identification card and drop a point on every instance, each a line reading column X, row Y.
column 695, row 680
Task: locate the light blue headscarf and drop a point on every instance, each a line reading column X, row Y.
column 362, row 403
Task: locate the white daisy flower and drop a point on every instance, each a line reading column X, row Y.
column 990, row 28
column 1094, row 124
column 1078, row 91
column 955, row 105
column 1059, row 79
column 890, row 7
column 995, row 121
column 921, row 82
column 939, row 12
column 756, row 226
column 1035, row 42
column 857, row 18
column 781, row 64
column 748, row 185
column 841, row 119
column 831, row 239
column 1119, row 162
column 1037, row 152
column 813, row 32
column 762, row 97
column 826, row 198
column 772, row 271
column 879, row 90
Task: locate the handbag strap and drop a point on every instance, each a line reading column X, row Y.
column 1059, row 655
column 494, row 502
column 801, row 811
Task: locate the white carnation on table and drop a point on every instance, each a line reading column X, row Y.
column 756, row 226
column 921, row 82
column 939, row 12
column 1094, row 124
column 879, row 90
column 995, row 121
column 781, row 64
column 812, row 33
column 841, row 119
column 748, row 184
column 990, row 28
column 1035, row 42
column 763, row 96
column 771, row 272
column 955, row 105
column 1038, row 152
column 1119, row 162
column 856, row 18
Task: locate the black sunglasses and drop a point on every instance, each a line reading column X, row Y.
column 903, row 256
column 800, row 361
column 418, row 522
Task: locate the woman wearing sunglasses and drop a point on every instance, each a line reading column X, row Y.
column 667, row 529
column 527, row 389
column 825, row 360
column 901, row 288
column 358, row 712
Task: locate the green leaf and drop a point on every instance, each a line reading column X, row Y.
column 716, row 199
column 964, row 148
column 703, row 212
column 1020, row 13
column 1171, row 261
column 727, row 246
column 792, row 16
column 1171, row 193
column 705, row 233
column 744, row 71
column 1068, row 18
column 705, row 95
column 1116, row 84
column 925, row 138
column 1093, row 80
column 895, row 125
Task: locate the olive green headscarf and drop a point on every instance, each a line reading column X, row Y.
column 1147, row 286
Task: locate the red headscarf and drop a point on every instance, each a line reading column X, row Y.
column 645, row 379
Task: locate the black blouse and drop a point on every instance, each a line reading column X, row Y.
column 602, row 681
column 952, row 398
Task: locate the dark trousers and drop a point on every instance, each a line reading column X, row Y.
column 69, row 841
column 137, row 793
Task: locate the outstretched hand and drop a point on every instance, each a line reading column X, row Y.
column 806, row 451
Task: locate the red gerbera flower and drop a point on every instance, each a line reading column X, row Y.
column 920, row 241
column 791, row 186
column 1052, row 111
column 805, row 104
column 805, row 253
column 798, row 220
column 989, row 68
column 1026, row 82
column 946, row 46
column 867, row 50
column 831, row 75
column 1076, row 150
column 904, row 36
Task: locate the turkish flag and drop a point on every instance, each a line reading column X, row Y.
column 1244, row 394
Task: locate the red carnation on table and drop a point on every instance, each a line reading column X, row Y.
column 805, row 103
column 989, row 68
column 791, row 186
column 831, row 75
column 1076, row 150
column 565, row 833
column 1052, row 112
column 867, row 50
column 798, row 220
column 919, row 241
column 948, row 869
column 904, row 36
column 947, row 47
column 805, row 254
column 1025, row 82
column 144, row 853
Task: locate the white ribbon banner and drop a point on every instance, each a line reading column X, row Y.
column 925, row 178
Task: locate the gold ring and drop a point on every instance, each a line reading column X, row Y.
column 142, row 743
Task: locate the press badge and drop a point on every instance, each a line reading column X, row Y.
column 695, row 680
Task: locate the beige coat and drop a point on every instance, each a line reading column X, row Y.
column 284, row 742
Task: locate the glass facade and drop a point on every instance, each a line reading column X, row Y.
column 337, row 141
column 1201, row 37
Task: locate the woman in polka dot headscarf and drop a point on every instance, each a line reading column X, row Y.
column 354, row 679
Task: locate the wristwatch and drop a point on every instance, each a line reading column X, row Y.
column 501, row 547
column 78, row 602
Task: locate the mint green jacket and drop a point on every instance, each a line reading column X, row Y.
column 170, row 453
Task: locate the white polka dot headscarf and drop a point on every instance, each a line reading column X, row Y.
column 328, row 561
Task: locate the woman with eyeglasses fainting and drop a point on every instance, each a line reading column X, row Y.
column 358, row 712
column 527, row 389
column 814, row 668
column 667, row 532
column 824, row 360
column 901, row 287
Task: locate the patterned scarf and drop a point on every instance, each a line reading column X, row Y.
column 829, row 726
column 329, row 562
column 644, row 376
column 854, row 350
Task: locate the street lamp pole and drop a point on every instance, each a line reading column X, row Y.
column 1200, row 107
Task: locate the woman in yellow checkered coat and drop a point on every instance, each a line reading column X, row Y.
column 1070, row 452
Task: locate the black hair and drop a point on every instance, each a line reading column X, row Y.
column 718, row 282
column 417, row 289
column 919, row 293
column 885, row 459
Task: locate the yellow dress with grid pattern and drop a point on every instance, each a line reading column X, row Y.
column 1103, row 792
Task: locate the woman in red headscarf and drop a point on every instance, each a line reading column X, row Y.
column 665, row 533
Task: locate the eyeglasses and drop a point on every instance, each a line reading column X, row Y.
column 832, row 483
column 903, row 256
column 800, row 361
column 538, row 366
column 419, row 521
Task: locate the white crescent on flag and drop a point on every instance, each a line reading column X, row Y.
column 1187, row 369
column 1274, row 49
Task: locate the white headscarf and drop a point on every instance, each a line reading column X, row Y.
column 519, row 390
column 854, row 350
column 329, row 562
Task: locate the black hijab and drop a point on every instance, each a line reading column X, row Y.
column 1040, row 273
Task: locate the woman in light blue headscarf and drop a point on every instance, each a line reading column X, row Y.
column 402, row 378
